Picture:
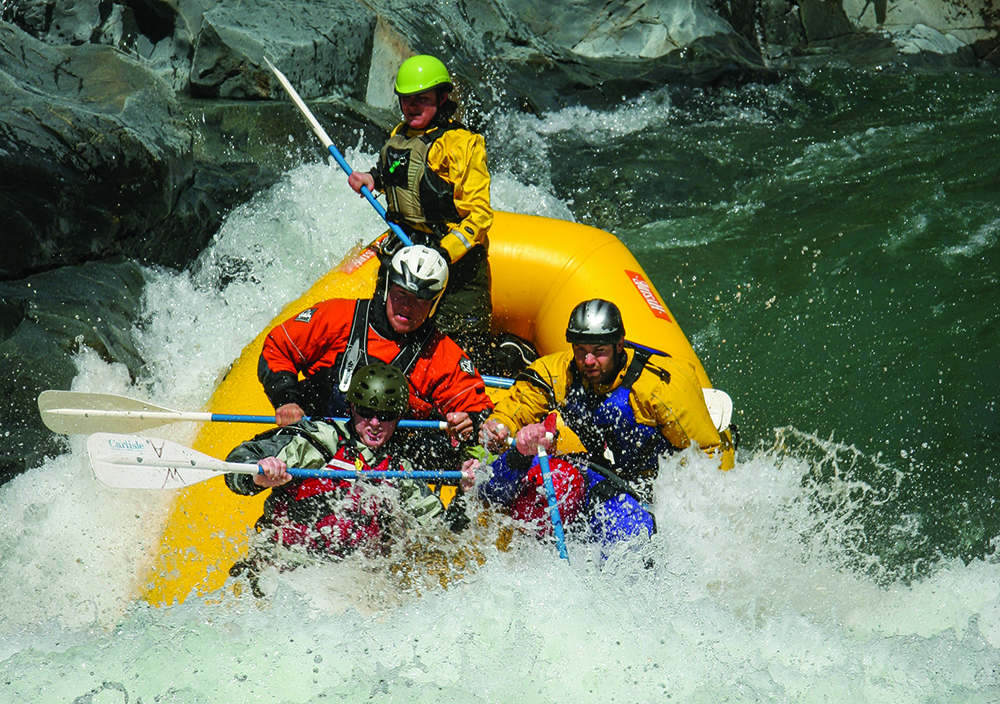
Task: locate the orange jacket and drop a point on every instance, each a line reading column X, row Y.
column 442, row 377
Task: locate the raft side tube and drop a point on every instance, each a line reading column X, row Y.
column 542, row 268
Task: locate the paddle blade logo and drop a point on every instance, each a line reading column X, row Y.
column 646, row 291
column 126, row 444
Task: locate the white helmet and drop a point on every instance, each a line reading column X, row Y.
column 421, row 271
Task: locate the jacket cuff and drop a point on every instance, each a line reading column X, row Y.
column 243, row 484
column 457, row 243
column 282, row 388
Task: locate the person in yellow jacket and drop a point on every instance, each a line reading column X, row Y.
column 437, row 185
column 627, row 406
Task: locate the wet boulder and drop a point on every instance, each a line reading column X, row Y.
column 44, row 320
column 97, row 160
column 323, row 48
column 552, row 55
column 93, row 150
column 869, row 33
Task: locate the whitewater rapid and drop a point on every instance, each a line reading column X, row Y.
column 760, row 587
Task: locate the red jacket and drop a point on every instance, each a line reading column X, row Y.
column 442, row 377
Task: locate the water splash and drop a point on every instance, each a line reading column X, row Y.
column 780, row 580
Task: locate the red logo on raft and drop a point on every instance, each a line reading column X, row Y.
column 659, row 310
column 357, row 262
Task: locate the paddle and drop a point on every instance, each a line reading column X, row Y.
column 497, row 382
column 550, row 495
column 80, row 413
column 138, row 462
column 720, row 407
column 328, row 143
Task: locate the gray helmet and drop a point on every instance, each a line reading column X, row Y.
column 381, row 387
column 595, row 322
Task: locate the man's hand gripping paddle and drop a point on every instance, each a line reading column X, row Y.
column 139, row 462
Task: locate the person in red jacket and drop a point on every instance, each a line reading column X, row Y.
column 327, row 342
column 327, row 519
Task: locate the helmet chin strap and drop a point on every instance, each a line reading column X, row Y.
column 621, row 359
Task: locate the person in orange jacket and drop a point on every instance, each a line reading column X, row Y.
column 330, row 340
column 435, row 178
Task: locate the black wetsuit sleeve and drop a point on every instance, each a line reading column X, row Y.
column 242, row 484
column 478, row 418
column 515, row 460
column 281, row 387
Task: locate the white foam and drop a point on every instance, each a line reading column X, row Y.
column 762, row 585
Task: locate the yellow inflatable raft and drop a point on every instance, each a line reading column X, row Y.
column 541, row 269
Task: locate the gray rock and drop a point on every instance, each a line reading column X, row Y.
column 868, row 33
column 254, row 131
column 96, row 160
column 44, row 319
column 93, row 150
column 634, row 29
column 323, row 48
column 519, row 53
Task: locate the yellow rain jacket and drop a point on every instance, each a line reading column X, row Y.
column 666, row 396
column 438, row 181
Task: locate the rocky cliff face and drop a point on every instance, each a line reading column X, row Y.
column 131, row 127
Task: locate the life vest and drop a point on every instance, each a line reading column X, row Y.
column 415, row 195
column 531, row 503
column 356, row 356
column 607, row 427
column 335, row 517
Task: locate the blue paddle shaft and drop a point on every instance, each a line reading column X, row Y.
column 366, row 474
column 339, row 158
column 269, row 420
column 498, row 382
column 550, row 495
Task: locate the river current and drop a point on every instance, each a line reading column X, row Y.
column 829, row 244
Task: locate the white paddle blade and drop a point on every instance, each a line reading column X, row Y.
column 720, row 407
column 300, row 104
column 78, row 413
column 135, row 462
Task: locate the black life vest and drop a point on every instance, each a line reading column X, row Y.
column 356, row 356
column 415, row 195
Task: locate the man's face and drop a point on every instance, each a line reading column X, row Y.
column 418, row 110
column 373, row 427
column 405, row 311
column 597, row 362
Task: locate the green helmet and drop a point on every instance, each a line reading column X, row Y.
column 420, row 73
column 381, row 387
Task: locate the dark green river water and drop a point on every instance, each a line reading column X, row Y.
column 830, row 244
